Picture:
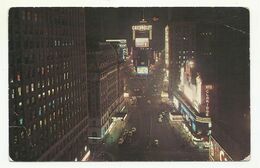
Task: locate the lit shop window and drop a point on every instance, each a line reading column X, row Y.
column 32, row 87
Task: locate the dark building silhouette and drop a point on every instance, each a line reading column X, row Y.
column 48, row 111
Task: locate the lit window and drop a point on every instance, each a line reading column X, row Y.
column 35, row 17
column 42, row 84
column 18, row 77
column 45, row 121
column 20, row 103
column 48, row 68
column 42, row 70
column 52, row 91
column 44, row 108
column 40, row 123
column 29, row 132
column 27, row 88
column 21, row 121
column 12, row 93
column 32, row 87
column 34, row 126
column 49, row 92
column 39, row 85
column 43, row 94
column 39, row 96
column 19, row 89
column 40, row 111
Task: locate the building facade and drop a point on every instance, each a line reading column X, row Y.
column 142, row 51
column 105, row 90
column 181, row 47
column 48, row 114
column 209, row 83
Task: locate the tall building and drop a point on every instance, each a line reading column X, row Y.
column 230, row 138
column 142, row 53
column 181, row 37
column 48, row 114
column 105, row 90
column 210, row 82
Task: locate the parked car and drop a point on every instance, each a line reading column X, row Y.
column 133, row 129
column 156, row 142
column 120, row 141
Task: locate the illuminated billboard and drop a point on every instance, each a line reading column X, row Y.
column 216, row 152
column 142, row 70
column 142, row 42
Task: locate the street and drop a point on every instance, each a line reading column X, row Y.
column 173, row 144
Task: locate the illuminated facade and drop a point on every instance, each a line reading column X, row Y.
column 122, row 48
column 179, row 46
column 142, row 54
column 210, row 85
column 48, row 114
column 105, row 90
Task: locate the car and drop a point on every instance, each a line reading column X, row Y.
column 130, row 133
column 156, row 142
column 120, row 141
column 133, row 129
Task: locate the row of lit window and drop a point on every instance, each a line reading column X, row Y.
column 206, row 33
column 186, row 52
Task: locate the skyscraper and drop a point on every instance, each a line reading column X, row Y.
column 47, row 84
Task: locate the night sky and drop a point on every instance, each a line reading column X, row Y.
column 106, row 23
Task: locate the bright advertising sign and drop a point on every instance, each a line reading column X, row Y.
column 216, row 152
column 142, row 42
column 142, row 70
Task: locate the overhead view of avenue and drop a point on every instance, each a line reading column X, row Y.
column 129, row 84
